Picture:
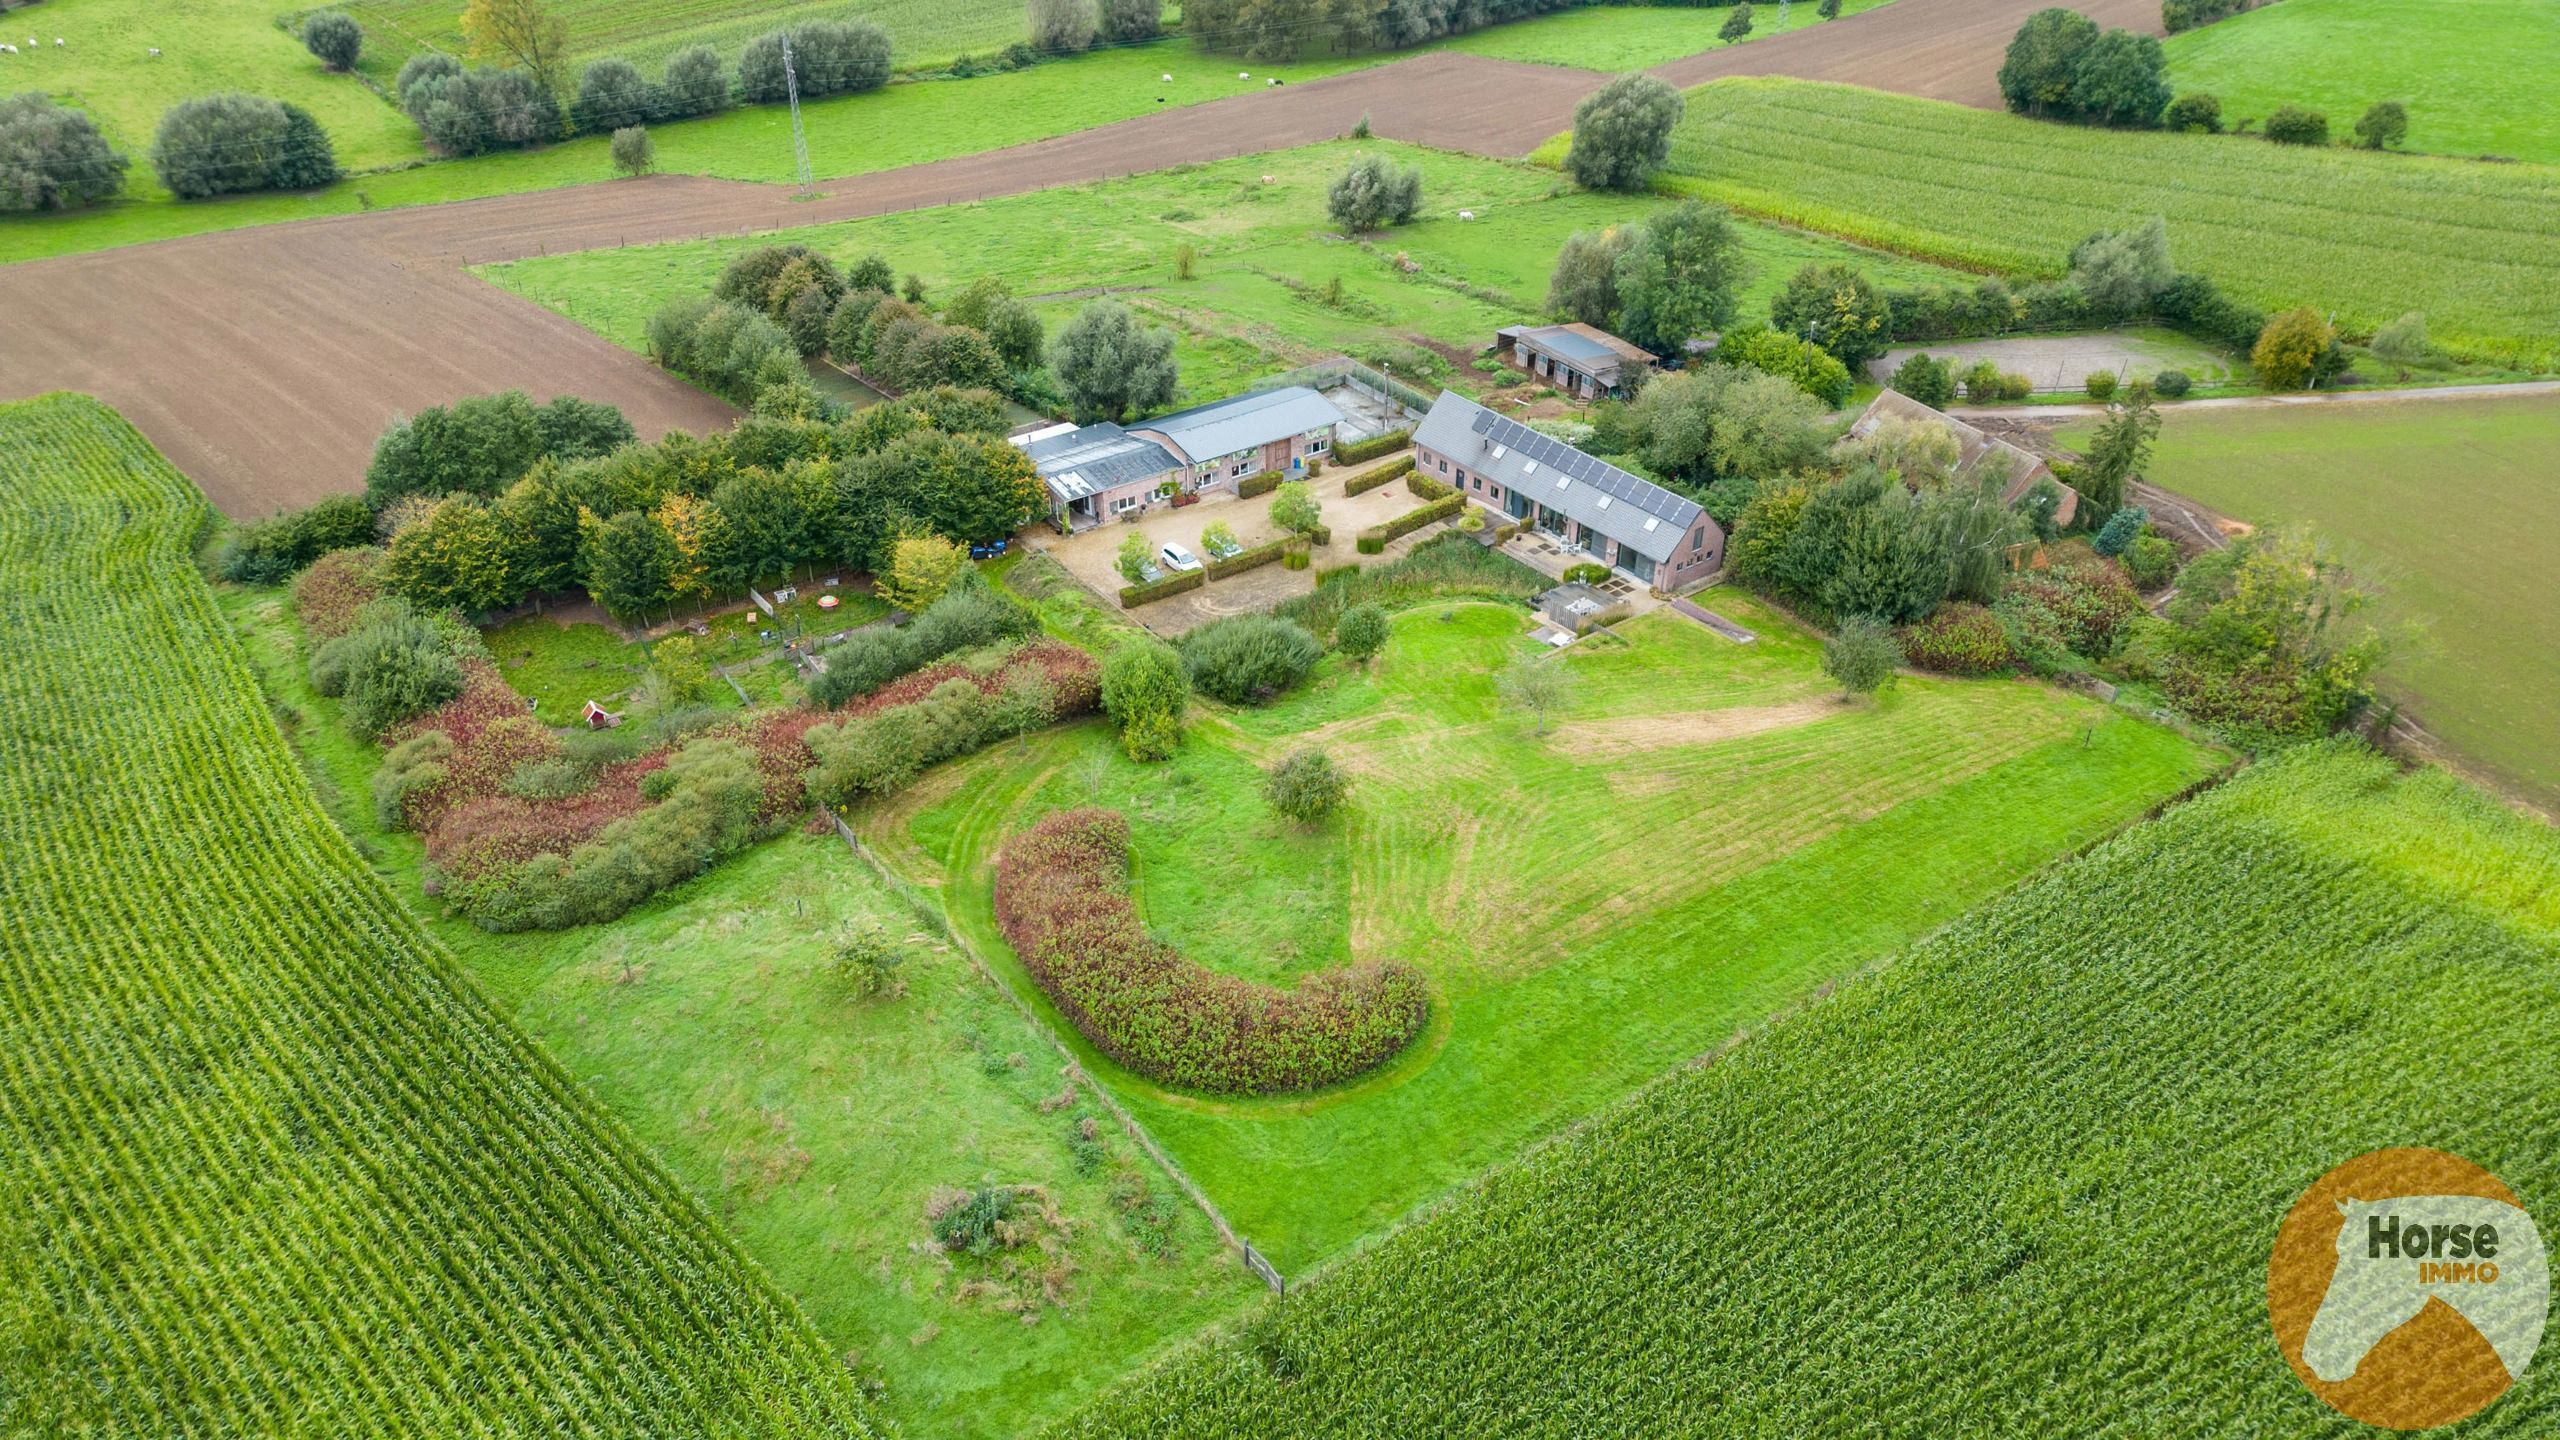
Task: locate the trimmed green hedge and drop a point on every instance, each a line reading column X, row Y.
column 1447, row 505
column 1262, row 483
column 1426, row 488
column 1371, row 449
column 1249, row 559
column 1384, row 474
column 1133, row 596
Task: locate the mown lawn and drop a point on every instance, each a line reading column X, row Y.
column 2449, row 507
column 2366, row 237
column 2477, row 79
column 815, row 1122
column 1707, row 836
column 1265, row 255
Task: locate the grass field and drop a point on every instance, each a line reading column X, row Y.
column 257, row 1133
column 2478, row 79
column 1590, row 906
column 1619, row 38
column 2022, row 1181
column 921, row 32
column 2447, row 505
column 813, row 1122
column 2366, row 236
column 205, row 46
column 1265, row 252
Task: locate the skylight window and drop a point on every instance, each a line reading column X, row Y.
column 1500, row 450
column 1529, row 467
column 1604, row 502
column 1651, row 524
column 1564, row 482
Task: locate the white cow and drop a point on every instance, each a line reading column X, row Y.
column 2370, row 1295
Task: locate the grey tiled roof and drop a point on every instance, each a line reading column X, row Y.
column 1096, row 457
column 1547, row 470
column 1243, row 422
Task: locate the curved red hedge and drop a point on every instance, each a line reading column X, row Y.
column 1062, row 901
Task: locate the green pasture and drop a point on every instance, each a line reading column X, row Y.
column 2449, row 507
column 2364, row 236
column 1418, row 298
column 2477, row 79
column 921, row 32
column 2022, row 1180
column 1592, row 905
column 107, row 69
column 811, row 1120
column 1619, row 38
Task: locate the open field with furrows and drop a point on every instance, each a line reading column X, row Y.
column 816, row 1121
column 1591, row 905
column 106, row 68
column 1265, row 254
column 2478, row 79
column 2366, row 236
column 2044, row 1151
column 257, row 1133
column 2448, row 507
column 921, row 32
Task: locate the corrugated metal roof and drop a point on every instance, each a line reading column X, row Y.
column 1245, row 422
column 1590, row 490
column 1079, row 462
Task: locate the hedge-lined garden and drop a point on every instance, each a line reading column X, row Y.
column 1061, row 898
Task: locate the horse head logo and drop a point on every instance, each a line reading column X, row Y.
column 2480, row 1256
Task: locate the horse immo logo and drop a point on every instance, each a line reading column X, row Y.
column 2408, row 1288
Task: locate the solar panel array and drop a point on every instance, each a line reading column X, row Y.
column 1600, row 475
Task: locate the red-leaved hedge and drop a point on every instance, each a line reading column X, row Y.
column 1062, row 901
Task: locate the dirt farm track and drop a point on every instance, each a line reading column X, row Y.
column 264, row 361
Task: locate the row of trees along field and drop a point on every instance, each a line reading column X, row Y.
column 2062, row 66
column 1890, row 1172
column 255, row 1131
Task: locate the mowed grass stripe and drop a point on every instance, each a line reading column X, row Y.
column 2370, row 236
column 2043, row 1152
column 266, row 1164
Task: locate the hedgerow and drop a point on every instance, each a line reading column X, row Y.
column 1061, row 898
column 1442, row 567
column 1958, row 639
column 257, row 1133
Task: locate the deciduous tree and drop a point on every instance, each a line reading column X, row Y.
column 1622, row 133
column 523, row 33
column 1678, row 281
column 1862, row 654
column 1109, row 365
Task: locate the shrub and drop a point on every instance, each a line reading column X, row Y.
column 705, row 810
column 2119, row 531
column 1126, row 20
column 2088, row 601
column 2170, row 384
column 1361, row 632
column 1622, row 133
column 1061, row 900
column 2291, row 349
column 274, row 550
column 968, row 615
column 1959, row 638
column 2293, row 125
column 1359, row 452
column 1065, row 27
column 635, row 154
column 696, row 84
column 1295, row 509
column 52, row 156
column 1862, row 654
column 613, row 94
column 1385, row 474
column 1109, row 365
column 1249, row 659
column 469, row 112
column 2101, row 384
column 1306, row 786
column 394, row 664
column 2403, row 342
column 225, row 144
column 1925, row 378
column 1373, row 194
column 1424, row 487
column 2383, row 126
column 2195, row 114
column 334, row 37
column 1260, row 483
column 1145, row 689
column 2151, row 561
column 1815, row 370
column 828, row 57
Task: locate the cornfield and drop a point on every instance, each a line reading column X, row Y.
column 268, row 1165
column 2022, row 1181
column 2368, row 236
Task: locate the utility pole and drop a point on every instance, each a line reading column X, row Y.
column 799, row 137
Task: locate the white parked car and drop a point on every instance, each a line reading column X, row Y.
column 1177, row 556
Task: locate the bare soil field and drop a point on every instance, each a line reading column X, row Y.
column 264, row 362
